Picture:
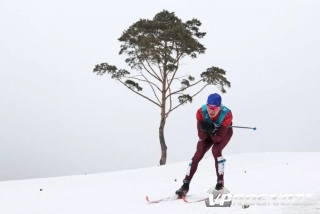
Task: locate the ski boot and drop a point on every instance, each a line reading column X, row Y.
column 219, row 185
column 184, row 189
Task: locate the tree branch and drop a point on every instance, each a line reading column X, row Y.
column 139, row 94
column 174, row 73
column 177, row 61
column 177, row 78
column 136, row 76
column 199, row 90
column 154, row 92
column 184, row 88
column 161, row 72
column 154, row 73
column 153, row 70
column 167, row 114
column 144, row 81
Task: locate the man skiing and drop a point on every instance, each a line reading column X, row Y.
column 213, row 124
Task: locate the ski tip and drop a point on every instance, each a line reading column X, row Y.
column 184, row 199
column 254, row 128
column 147, row 198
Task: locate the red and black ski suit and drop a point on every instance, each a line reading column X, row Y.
column 217, row 141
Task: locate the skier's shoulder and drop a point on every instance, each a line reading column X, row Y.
column 227, row 111
column 199, row 115
column 225, row 108
column 227, row 120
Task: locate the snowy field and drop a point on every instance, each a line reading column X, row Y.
column 125, row 191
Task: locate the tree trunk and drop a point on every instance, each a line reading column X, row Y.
column 162, row 142
column 163, row 145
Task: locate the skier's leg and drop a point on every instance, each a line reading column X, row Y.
column 202, row 148
column 217, row 154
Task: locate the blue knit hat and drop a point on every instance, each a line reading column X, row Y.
column 214, row 99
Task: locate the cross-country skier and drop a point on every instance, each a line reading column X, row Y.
column 213, row 124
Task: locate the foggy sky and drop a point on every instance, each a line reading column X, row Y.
column 58, row 118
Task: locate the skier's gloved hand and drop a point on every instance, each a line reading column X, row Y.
column 212, row 128
column 208, row 127
column 203, row 126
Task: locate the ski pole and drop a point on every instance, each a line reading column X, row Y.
column 243, row 127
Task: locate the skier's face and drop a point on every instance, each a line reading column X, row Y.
column 213, row 110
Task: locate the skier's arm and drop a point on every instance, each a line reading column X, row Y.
column 199, row 117
column 223, row 129
column 202, row 135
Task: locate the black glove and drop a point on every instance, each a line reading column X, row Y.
column 208, row 127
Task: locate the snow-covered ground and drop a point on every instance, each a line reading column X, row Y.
column 125, row 191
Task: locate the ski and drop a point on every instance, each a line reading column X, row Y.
column 195, row 200
column 171, row 198
column 206, row 198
